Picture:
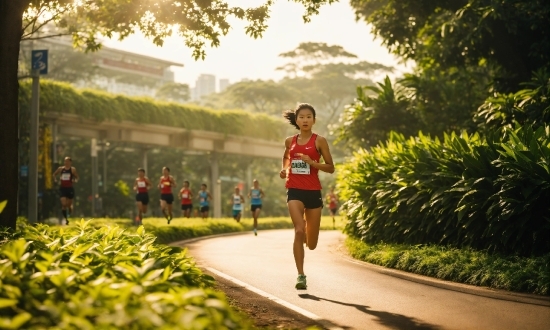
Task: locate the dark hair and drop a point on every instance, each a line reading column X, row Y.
column 186, row 182
column 204, row 184
column 290, row 115
column 166, row 168
column 141, row 170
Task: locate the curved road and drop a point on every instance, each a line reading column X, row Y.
column 352, row 295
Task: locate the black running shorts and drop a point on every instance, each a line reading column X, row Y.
column 205, row 209
column 255, row 207
column 143, row 198
column 311, row 199
column 185, row 207
column 168, row 198
column 67, row 192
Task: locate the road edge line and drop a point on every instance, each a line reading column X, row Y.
column 325, row 323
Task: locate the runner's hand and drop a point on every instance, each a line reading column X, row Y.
column 306, row 159
column 282, row 173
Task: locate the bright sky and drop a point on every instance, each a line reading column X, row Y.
column 239, row 56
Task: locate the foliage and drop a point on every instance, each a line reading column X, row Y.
column 370, row 118
column 462, row 191
column 460, row 265
column 173, row 92
column 183, row 228
column 197, row 22
column 87, row 278
column 529, row 106
column 509, row 36
column 61, row 98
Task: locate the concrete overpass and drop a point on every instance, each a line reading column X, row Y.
column 165, row 136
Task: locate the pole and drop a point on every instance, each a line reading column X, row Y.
column 216, row 188
column 144, row 159
column 54, row 142
column 33, row 149
column 105, row 166
column 248, row 178
column 93, row 146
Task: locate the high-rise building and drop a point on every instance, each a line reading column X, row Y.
column 206, row 84
column 224, row 83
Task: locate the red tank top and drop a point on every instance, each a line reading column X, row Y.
column 301, row 175
column 332, row 201
column 186, row 197
column 141, row 186
column 66, row 177
column 165, row 185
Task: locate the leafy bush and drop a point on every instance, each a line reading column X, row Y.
column 86, row 278
column 460, row 265
column 462, row 191
column 528, row 106
column 56, row 97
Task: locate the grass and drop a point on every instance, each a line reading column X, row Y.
column 466, row 265
column 182, row 228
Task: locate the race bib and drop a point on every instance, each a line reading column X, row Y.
column 202, row 199
column 298, row 166
column 167, row 183
column 66, row 176
column 185, row 195
column 141, row 184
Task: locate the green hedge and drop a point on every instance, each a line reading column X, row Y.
column 82, row 277
column 464, row 265
column 57, row 97
column 462, row 191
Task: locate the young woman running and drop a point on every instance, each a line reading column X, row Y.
column 300, row 167
column 166, row 197
column 238, row 201
column 185, row 195
column 204, row 201
column 332, row 200
column 66, row 189
column 256, row 194
column 141, row 187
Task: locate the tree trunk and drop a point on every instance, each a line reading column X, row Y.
column 11, row 13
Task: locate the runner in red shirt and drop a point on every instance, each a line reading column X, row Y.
column 185, row 195
column 166, row 197
column 141, row 187
column 68, row 176
column 332, row 200
column 300, row 166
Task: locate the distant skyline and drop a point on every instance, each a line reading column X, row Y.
column 242, row 57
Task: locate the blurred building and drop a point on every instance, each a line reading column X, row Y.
column 224, row 83
column 205, row 85
column 115, row 71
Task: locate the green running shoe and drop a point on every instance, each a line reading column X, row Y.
column 255, row 232
column 301, row 282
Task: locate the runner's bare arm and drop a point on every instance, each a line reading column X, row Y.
column 262, row 195
column 56, row 173
column 148, row 183
column 135, row 184
column 328, row 165
column 242, row 199
column 75, row 174
column 173, row 182
column 210, row 196
column 286, row 158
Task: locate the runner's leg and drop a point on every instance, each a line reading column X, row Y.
column 313, row 221
column 64, row 207
column 296, row 210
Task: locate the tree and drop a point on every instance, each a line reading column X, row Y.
column 374, row 115
column 509, row 36
column 197, row 21
column 173, row 92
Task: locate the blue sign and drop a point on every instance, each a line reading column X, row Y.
column 39, row 60
column 24, row 170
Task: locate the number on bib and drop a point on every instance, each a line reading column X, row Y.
column 141, row 184
column 66, row 176
column 184, row 195
column 298, row 166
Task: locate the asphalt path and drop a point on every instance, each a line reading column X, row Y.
column 352, row 295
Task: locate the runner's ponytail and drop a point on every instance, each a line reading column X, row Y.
column 290, row 115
